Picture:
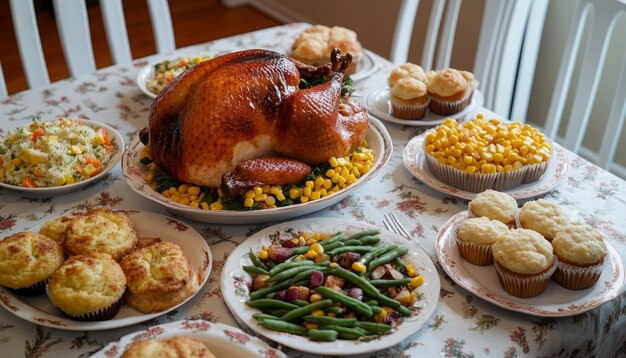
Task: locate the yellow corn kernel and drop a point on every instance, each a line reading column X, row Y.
column 304, row 199
column 295, row 240
column 327, row 184
column 319, row 181
column 97, row 140
column 355, row 172
column 311, row 254
column 184, row 201
column 410, row 271
column 266, row 188
column 321, row 258
column 309, row 184
column 194, row 190
column 175, row 197
column 194, row 204
column 299, row 258
column 315, row 298
column 315, row 195
column 248, row 202
column 257, row 190
column 276, row 190
column 59, row 181
column 150, row 177
column 270, row 200
column 333, row 162
column 76, row 149
column 263, row 255
column 260, row 197
column 193, row 198
column 204, row 205
column 358, row 267
column 173, row 190
column 216, row 206
column 280, row 196
column 310, row 325
column 330, row 173
column 333, row 265
column 183, row 188
column 295, row 193
column 317, row 248
column 307, row 191
column 470, row 169
column 318, row 313
column 417, row 281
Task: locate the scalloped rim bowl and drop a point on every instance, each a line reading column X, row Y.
column 377, row 137
column 56, row 190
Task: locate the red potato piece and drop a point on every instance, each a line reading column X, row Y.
column 334, row 282
column 260, row 282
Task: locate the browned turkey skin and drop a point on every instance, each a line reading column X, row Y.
column 248, row 105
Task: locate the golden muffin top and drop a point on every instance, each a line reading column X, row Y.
column 579, row 244
column 481, row 230
column 175, row 347
column 495, row 205
column 544, row 217
column 523, row 251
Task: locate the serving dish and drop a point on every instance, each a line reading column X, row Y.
column 555, row 301
column 39, row 309
column 223, row 340
column 118, row 148
column 378, row 104
column 235, row 287
column 367, row 66
column 377, row 138
column 148, row 70
column 415, row 161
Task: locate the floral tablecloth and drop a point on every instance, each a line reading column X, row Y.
column 463, row 325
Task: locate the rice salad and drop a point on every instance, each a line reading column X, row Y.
column 166, row 71
column 54, row 153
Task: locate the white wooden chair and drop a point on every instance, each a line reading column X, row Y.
column 604, row 15
column 509, row 40
column 73, row 27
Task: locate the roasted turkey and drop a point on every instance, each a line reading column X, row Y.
column 248, row 105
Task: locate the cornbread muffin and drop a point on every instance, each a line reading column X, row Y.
column 480, row 154
column 544, row 217
column 101, row 230
column 56, row 228
column 494, row 205
column 174, row 347
column 475, row 236
column 524, row 262
column 159, row 276
column 406, row 70
column 88, row 287
column 314, row 45
column 450, row 91
column 409, row 99
column 27, row 260
column 581, row 252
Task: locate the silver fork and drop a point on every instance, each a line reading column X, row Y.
column 392, row 224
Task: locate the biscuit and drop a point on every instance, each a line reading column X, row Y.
column 56, row 228
column 175, row 347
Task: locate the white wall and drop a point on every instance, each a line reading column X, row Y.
column 374, row 22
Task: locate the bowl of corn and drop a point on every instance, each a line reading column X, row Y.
column 481, row 154
column 326, row 185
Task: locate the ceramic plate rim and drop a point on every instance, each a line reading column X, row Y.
column 148, row 69
column 413, row 153
column 28, row 312
column 191, row 328
column 232, row 270
column 372, row 107
column 360, row 75
column 71, row 187
column 376, row 129
column 513, row 303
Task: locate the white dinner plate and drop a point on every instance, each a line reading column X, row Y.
column 367, row 66
column 555, row 301
column 118, row 148
column 235, row 285
column 378, row 104
column 415, row 161
column 39, row 309
column 377, row 138
column 223, row 340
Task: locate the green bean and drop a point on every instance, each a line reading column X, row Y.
column 282, row 326
column 331, row 240
column 370, row 240
column 254, row 269
column 260, row 293
column 380, row 250
column 325, row 335
column 373, row 326
column 285, row 266
column 346, row 332
column 388, row 301
column 301, row 311
column 300, row 303
column 344, row 322
column 287, row 273
column 368, row 232
column 270, row 264
column 262, row 316
column 334, row 246
column 278, row 313
column 376, row 310
column 334, row 309
column 300, row 250
column 257, row 261
column 391, row 283
column 353, row 242
column 307, row 274
column 271, row 303
column 381, row 260
column 372, row 302
column 352, row 303
column 355, row 280
column 359, row 249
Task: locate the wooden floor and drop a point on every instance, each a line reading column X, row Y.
column 194, row 21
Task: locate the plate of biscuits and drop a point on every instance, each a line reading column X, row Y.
column 102, row 269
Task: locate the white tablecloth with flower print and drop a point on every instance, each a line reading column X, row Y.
column 463, row 325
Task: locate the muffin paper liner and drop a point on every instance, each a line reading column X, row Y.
column 521, row 285
column 477, row 254
column 101, row 314
column 409, row 111
column 577, row 277
column 445, row 108
column 36, row 289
